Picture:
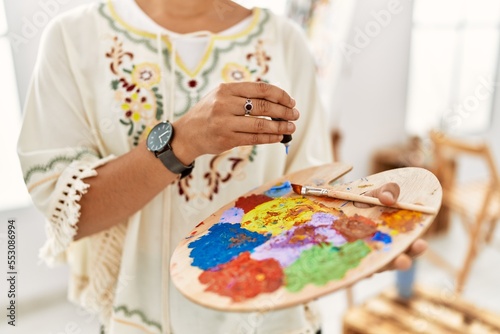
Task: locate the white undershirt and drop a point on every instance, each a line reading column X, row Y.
column 189, row 48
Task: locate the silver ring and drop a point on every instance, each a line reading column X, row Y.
column 248, row 107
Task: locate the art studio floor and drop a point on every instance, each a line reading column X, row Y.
column 55, row 315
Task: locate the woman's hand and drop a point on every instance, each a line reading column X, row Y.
column 388, row 194
column 218, row 123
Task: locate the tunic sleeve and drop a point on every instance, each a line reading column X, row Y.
column 57, row 146
column 311, row 144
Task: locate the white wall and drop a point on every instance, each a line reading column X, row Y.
column 26, row 20
column 372, row 89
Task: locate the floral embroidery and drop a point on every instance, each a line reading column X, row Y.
column 222, row 169
column 137, row 107
column 256, row 68
column 233, row 72
column 146, row 75
column 261, row 58
column 136, row 91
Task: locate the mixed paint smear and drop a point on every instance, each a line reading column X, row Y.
column 270, row 240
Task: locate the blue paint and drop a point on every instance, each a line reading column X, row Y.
column 222, row 243
column 279, row 190
column 380, row 236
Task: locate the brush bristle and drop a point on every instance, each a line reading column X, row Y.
column 297, row 188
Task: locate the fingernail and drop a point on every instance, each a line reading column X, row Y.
column 296, row 113
column 291, row 127
column 293, row 101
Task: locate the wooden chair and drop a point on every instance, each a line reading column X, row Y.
column 476, row 202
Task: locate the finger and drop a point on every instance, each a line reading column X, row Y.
column 417, row 248
column 262, row 108
column 259, row 125
column 244, row 139
column 403, row 262
column 387, row 194
column 260, row 90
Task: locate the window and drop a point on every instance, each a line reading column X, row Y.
column 13, row 192
column 453, row 66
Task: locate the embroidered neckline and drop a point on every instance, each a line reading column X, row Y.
column 182, row 77
column 256, row 15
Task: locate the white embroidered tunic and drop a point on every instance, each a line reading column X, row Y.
column 104, row 77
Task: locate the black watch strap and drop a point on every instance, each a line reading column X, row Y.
column 173, row 164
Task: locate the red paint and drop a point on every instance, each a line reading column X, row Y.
column 243, row 278
column 194, row 232
column 202, row 223
column 355, row 227
column 250, row 202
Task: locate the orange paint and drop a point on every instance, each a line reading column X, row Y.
column 401, row 220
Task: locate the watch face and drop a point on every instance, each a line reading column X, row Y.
column 160, row 136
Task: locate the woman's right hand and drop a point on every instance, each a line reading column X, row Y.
column 218, row 123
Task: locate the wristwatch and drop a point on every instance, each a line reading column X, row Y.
column 158, row 142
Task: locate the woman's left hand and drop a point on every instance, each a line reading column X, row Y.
column 388, row 194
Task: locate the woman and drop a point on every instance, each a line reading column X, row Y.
column 115, row 205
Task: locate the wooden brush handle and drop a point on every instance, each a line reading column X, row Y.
column 375, row 201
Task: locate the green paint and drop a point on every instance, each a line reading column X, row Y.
column 324, row 263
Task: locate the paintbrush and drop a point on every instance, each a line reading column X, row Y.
column 314, row 191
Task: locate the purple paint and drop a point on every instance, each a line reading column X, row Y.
column 287, row 247
column 232, row 216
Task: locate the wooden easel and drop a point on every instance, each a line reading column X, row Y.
column 476, row 202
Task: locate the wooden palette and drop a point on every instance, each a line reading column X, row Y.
column 263, row 252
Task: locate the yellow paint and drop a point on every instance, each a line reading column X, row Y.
column 281, row 214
